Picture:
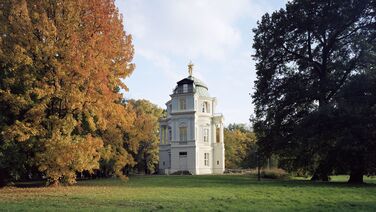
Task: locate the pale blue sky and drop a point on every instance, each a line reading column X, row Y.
column 215, row 34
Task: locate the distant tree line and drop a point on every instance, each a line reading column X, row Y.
column 61, row 111
column 315, row 99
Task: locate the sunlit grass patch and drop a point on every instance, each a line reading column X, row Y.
column 192, row 193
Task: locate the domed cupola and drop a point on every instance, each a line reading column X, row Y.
column 191, row 84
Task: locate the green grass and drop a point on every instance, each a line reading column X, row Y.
column 194, row 193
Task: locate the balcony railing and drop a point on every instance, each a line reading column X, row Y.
column 181, row 90
column 183, row 142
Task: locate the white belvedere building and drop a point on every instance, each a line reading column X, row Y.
column 192, row 134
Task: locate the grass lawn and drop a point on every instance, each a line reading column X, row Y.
column 193, row 193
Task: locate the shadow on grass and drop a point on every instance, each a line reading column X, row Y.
column 30, row 184
column 229, row 181
column 215, row 181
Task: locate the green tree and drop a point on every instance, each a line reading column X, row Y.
column 355, row 126
column 305, row 54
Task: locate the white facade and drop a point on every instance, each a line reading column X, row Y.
column 191, row 136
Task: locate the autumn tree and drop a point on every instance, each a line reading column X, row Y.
column 305, row 55
column 61, row 68
column 119, row 145
column 145, row 133
column 240, row 146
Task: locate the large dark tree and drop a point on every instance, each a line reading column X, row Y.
column 355, row 126
column 305, row 55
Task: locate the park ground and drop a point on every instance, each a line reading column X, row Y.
column 194, row 193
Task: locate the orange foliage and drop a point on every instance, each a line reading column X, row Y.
column 62, row 65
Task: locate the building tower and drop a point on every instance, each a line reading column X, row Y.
column 191, row 135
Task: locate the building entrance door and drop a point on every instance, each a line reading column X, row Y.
column 183, row 161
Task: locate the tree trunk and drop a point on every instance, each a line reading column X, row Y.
column 54, row 183
column 322, row 172
column 3, row 177
column 357, row 168
column 317, row 176
column 356, row 176
column 357, row 171
column 146, row 170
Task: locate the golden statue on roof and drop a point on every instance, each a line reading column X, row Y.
column 190, row 68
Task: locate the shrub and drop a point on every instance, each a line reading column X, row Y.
column 182, row 173
column 274, row 173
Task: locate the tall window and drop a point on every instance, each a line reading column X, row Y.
column 169, row 134
column 205, row 107
column 183, row 105
column 218, row 135
column 183, row 133
column 163, row 135
column 206, row 159
column 185, row 88
column 206, row 135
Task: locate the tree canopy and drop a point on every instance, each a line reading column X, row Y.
column 61, row 69
column 145, row 132
column 307, row 54
column 240, row 148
